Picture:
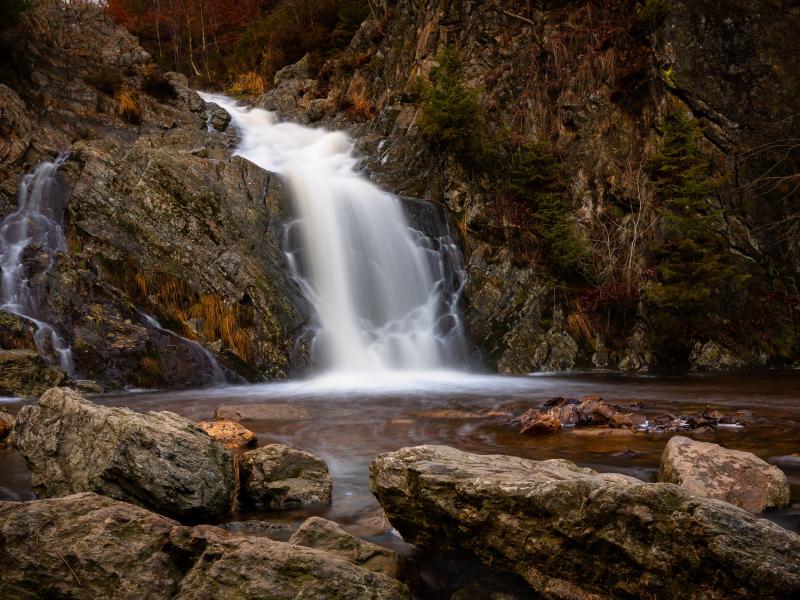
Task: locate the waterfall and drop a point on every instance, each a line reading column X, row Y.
column 376, row 284
column 39, row 217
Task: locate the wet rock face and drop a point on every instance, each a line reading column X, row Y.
column 159, row 461
column 327, row 536
column 217, row 225
column 574, row 533
column 24, row 373
column 158, row 195
column 740, row 478
column 116, row 550
column 280, row 476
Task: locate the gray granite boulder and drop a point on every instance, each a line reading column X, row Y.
column 327, row 536
column 89, row 547
column 740, row 478
column 281, row 476
column 576, row 534
column 159, row 461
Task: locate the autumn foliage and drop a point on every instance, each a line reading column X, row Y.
column 238, row 45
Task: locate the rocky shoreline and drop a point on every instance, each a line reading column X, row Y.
column 119, row 490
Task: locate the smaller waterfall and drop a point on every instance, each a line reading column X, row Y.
column 217, row 374
column 39, row 219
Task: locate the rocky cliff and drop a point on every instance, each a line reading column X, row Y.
column 160, row 221
column 685, row 264
column 600, row 84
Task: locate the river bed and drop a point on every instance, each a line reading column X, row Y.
column 355, row 418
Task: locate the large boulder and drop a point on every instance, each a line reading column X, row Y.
column 327, row 536
column 25, row 374
column 159, row 461
column 740, row 478
column 573, row 533
column 281, row 476
column 87, row 546
column 110, row 550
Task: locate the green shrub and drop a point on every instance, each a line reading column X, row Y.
column 534, row 179
column 694, row 267
column 450, row 113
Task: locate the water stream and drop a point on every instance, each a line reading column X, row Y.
column 377, row 285
column 39, row 219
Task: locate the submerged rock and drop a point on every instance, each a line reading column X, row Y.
column 740, row 478
column 327, row 536
column 159, row 461
column 87, row 546
column 229, row 433
column 261, row 412
column 25, row 374
column 575, row 533
column 281, row 476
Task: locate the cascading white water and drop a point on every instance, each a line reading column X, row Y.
column 37, row 220
column 371, row 283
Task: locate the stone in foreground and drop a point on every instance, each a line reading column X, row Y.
column 118, row 551
column 280, row 476
column 229, row 434
column 575, row 534
column 261, row 412
column 740, row 478
column 159, row 461
column 25, row 374
column 327, row 536
column 232, row 567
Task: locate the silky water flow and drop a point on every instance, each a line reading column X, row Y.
column 381, row 290
column 38, row 219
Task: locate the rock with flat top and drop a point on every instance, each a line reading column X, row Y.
column 280, row 476
column 229, row 434
column 88, row 547
column 159, row 460
column 327, row 536
column 740, row 478
column 261, row 412
column 576, row 534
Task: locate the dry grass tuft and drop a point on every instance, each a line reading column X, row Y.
column 130, row 105
column 175, row 302
column 361, row 110
column 248, row 84
column 580, row 327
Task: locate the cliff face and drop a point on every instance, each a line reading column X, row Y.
column 159, row 221
column 599, row 81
